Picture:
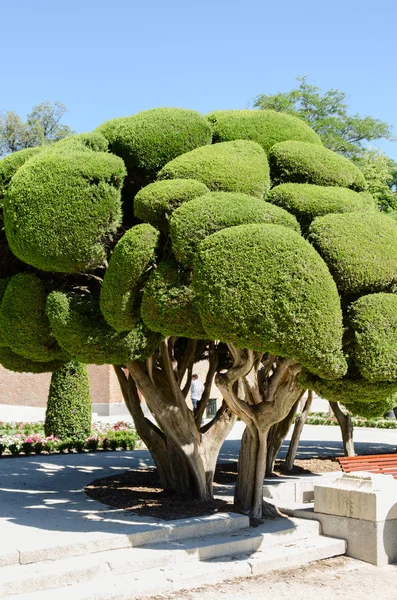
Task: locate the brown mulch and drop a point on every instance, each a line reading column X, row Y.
column 140, row 491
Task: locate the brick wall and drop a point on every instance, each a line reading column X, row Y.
column 26, row 389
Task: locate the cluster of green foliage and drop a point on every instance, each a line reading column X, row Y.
column 360, row 396
column 198, row 219
column 301, row 162
column 238, row 166
column 152, row 138
column 307, row 201
column 374, row 321
column 23, row 322
column 68, row 411
column 125, row 276
column 169, row 303
column 156, row 202
column 60, row 207
column 360, row 250
column 264, row 287
column 264, row 127
column 82, row 331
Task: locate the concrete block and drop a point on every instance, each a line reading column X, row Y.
column 365, row 496
column 369, row 541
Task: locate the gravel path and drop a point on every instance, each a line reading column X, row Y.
column 332, row 579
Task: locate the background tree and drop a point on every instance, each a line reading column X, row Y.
column 259, row 252
column 327, row 113
column 42, row 126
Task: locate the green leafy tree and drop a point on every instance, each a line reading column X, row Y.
column 327, row 113
column 281, row 291
column 43, row 126
column 380, row 171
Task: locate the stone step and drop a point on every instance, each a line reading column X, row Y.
column 19, row 578
column 178, row 576
column 136, row 535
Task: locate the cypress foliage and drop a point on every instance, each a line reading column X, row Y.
column 69, row 404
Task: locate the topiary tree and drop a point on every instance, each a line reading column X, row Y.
column 265, row 286
column 68, row 413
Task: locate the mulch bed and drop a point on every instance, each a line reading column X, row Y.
column 140, row 491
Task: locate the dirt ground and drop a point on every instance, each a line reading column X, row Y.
column 141, row 492
column 331, row 579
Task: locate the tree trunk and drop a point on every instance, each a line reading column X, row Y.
column 299, row 424
column 346, row 426
column 277, row 435
column 262, row 391
column 153, row 438
column 184, row 453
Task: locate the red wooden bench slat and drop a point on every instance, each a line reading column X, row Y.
column 385, row 464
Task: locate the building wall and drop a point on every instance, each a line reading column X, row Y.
column 29, row 391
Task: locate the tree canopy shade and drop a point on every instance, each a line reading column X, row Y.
column 327, row 113
column 163, row 239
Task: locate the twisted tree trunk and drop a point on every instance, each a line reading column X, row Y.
column 277, row 435
column 299, row 424
column 262, row 391
column 184, row 453
column 346, row 427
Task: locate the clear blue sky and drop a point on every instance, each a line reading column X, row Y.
column 112, row 58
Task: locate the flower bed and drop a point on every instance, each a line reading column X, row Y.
column 29, row 438
column 326, row 419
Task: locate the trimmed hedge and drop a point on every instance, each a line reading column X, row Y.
column 353, row 393
column 92, row 141
column 198, row 219
column 239, row 166
column 155, row 203
column 23, row 322
column 168, row 303
column 128, row 268
column 152, row 138
column 359, row 249
column 374, row 321
column 264, row 287
column 61, row 209
column 68, row 413
column 266, row 127
column 301, row 162
column 3, row 286
column 11, row 163
column 307, row 201
column 82, row 331
column 15, row 362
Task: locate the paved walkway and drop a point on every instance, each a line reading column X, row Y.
column 42, row 502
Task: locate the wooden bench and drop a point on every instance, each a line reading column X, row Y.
column 385, row 464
